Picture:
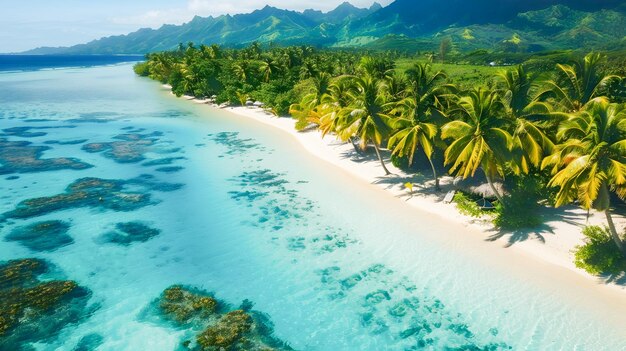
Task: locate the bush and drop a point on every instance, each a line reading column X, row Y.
column 142, row 69
column 467, row 204
column 522, row 205
column 400, row 162
column 520, row 212
column 282, row 102
column 599, row 254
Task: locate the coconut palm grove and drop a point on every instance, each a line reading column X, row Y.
column 560, row 127
column 193, row 175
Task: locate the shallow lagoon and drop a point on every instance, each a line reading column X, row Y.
column 239, row 210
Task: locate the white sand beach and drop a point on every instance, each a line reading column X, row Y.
column 552, row 244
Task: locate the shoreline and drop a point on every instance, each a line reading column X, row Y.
column 553, row 245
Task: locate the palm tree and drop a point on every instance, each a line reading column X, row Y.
column 479, row 137
column 530, row 117
column 396, row 86
column 414, row 125
column 577, row 83
column 311, row 108
column 376, row 67
column 240, row 70
column 268, row 68
column 591, row 161
column 160, row 66
column 364, row 116
column 335, row 101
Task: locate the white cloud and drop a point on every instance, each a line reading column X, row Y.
column 156, row 18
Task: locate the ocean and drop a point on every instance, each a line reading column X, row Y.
column 38, row 62
column 112, row 183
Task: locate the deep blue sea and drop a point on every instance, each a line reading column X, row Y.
column 110, row 181
column 37, row 62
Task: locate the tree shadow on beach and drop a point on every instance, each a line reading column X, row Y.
column 360, row 156
column 549, row 214
column 617, row 279
column 520, row 235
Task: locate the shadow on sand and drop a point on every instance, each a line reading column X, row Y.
column 549, row 214
column 423, row 186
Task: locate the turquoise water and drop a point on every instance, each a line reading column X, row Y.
column 238, row 209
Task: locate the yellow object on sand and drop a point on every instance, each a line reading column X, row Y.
column 409, row 186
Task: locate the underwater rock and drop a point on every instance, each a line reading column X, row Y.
column 163, row 161
column 184, row 305
column 222, row 329
column 130, row 148
column 130, row 232
column 25, row 132
column 42, row 236
column 38, row 120
column 65, row 142
column 234, row 144
column 172, row 169
column 32, row 310
column 227, row 333
column 23, row 157
column 22, row 132
column 96, row 117
column 89, row 342
column 108, row 194
column 149, row 182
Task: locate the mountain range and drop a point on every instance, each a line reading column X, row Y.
column 511, row 25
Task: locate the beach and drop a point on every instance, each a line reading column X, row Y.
column 554, row 243
column 238, row 205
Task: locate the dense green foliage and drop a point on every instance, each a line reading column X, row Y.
column 522, row 205
column 599, row 255
column 550, row 136
column 278, row 77
column 466, row 204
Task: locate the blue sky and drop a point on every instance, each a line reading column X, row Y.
column 28, row 24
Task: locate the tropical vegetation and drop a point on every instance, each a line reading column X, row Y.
column 549, row 133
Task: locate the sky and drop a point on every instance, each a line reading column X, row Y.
column 27, row 24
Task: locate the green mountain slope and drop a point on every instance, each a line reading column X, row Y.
column 506, row 25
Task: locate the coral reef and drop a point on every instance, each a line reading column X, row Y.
column 111, row 194
column 227, row 333
column 130, row 232
column 23, row 157
column 65, row 142
column 42, row 236
column 33, row 310
column 89, row 342
column 130, row 147
column 85, row 192
column 417, row 319
column 22, row 132
column 172, row 169
column 163, row 161
column 236, row 145
column 183, row 305
column 221, row 328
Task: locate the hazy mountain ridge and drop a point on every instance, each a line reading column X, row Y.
column 505, row 24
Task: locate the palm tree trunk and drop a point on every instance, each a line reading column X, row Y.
column 380, row 158
column 434, row 174
column 356, row 148
column 614, row 235
column 493, row 188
